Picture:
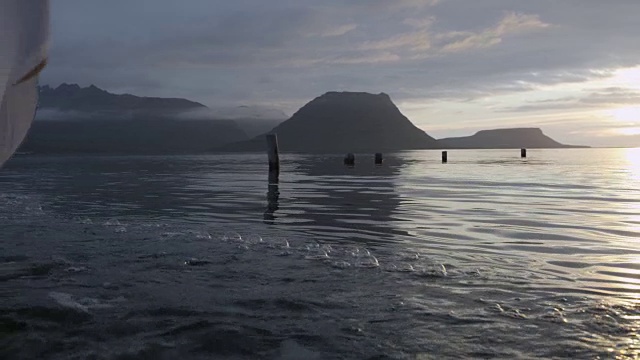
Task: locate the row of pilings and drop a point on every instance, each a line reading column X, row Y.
column 349, row 159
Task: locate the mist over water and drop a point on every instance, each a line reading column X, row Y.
column 169, row 257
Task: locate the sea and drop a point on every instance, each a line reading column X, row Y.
column 489, row 256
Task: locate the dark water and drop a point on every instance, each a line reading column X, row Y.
column 489, row 256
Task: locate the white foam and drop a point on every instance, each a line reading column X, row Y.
column 231, row 236
column 66, row 300
column 71, row 302
column 112, row 222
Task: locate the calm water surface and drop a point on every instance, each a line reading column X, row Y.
column 489, row 256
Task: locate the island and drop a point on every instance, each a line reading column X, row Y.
column 512, row 138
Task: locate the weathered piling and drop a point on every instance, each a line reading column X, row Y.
column 523, row 153
column 350, row 159
column 272, row 151
column 273, row 195
column 274, row 178
column 444, row 157
column 378, row 159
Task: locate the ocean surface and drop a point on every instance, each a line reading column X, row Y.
column 202, row 257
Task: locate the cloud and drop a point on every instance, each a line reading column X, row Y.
column 417, row 41
column 389, row 4
column 420, row 23
column 612, row 96
column 57, row 115
column 197, row 114
column 376, row 58
column 48, row 114
column 511, row 24
column 339, row 30
column 606, row 97
column 423, row 40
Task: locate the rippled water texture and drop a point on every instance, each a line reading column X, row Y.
column 488, row 256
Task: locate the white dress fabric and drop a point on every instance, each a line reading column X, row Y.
column 24, row 33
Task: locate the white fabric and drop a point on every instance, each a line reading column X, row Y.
column 24, row 33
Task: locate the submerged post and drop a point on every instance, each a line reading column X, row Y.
column 350, row 159
column 444, row 157
column 273, row 195
column 378, row 159
column 523, row 153
column 272, row 151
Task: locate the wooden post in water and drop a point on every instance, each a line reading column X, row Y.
column 444, row 157
column 350, row 159
column 378, row 159
column 272, row 198
column 523, row 153
column 272, row 151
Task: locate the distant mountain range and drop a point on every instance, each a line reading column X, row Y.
column 73, row 119
column 91, row 99
column 95, row 101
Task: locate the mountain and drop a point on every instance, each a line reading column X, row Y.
column 139, row 136
column 504, row 139
column 72, row 97
column 72, row 119
column 345, row 122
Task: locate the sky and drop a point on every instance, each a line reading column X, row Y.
column 453, row 67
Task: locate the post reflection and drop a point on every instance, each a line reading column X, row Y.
column 333, row 201
column 273, row 195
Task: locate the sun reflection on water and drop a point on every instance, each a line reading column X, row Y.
column 633, row 163
column 632, row 203
column 631, row 179
column 628, row 322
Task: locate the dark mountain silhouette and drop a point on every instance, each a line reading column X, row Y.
column 91, row 120
column 72, row 119
column 139, row 136
column 504, row 139
column 71, row 97
column 345, row 122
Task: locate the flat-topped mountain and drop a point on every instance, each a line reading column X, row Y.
column 504, row 139
column 345, row 122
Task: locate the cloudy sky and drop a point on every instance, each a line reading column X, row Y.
column 453, row 67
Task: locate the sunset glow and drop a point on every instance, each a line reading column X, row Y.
column 629, row 131
column 628, row 77
column 629, row 114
